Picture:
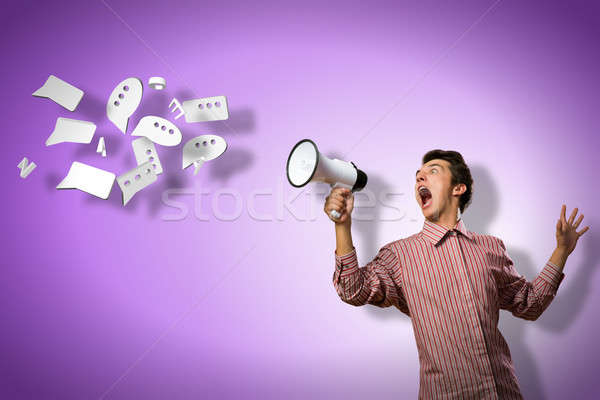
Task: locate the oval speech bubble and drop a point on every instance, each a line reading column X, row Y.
column 123, row 101
column 159, row 130
column 202, row 148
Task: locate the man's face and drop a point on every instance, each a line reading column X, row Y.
column 433, row 188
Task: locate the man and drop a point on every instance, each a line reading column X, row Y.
column 451, row 282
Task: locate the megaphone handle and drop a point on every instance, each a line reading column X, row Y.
column 333, row 213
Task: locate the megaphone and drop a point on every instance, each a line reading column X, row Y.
column 306, row 164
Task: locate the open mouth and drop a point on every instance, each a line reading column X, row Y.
column 426, row 197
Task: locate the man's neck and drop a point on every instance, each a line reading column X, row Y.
column 448, row 220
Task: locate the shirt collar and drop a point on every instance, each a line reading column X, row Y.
column 435, row 233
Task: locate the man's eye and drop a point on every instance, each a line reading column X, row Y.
column 433, row 170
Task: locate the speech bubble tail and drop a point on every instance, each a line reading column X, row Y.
column 63, row 184
column 197, row 165
column 120, row 124
column 126, row 197
column 52, row 139
column 39, row 93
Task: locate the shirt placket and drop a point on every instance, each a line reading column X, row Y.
column 469, row 298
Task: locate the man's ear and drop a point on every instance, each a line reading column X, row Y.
column 459, row 189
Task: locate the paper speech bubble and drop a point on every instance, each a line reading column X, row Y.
column 123, row 101
column 135, row 180
column 206, row 109
column 86, row 178
column 71, row 130
column 201, row 149
column 144, row 151
column 159, row 130
column 60, row 92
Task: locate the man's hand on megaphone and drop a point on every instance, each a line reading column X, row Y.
column 340, row 200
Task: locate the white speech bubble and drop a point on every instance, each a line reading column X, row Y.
column 135, row 180
column 159, row 130
column 60, row 92
column 86, row 178
column 123, row 101
column 206, row 109
column 201, row 149
column 144, row 151
column 71, row 130
column 26, row 167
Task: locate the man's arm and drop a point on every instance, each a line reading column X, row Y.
column 524, row 299
column 529, row 300
column 341, row 200
column 375, row 283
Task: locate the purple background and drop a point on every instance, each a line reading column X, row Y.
column 104, row 301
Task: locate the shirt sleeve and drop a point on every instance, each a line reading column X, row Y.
column 524, row 299
column 377, row 283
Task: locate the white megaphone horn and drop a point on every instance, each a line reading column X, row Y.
column 305, row 164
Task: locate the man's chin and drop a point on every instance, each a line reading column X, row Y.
column 430, row 214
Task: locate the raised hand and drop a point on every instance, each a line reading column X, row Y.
column 341, row 200
column 566, row 230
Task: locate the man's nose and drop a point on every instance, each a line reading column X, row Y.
column 420, row 176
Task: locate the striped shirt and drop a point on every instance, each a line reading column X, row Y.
column 452, row 284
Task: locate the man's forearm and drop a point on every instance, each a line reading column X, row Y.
column 343, row 238
column 559, row 257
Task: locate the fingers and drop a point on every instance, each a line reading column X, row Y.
column 340, row 191
column 571, row 223
column 584, row 230
column 334, row 204
column 350, row 202
column 340, row 199
column 576, row 225
column 338, row 195
column 572, row 217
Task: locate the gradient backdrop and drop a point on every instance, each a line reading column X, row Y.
column 99, row 300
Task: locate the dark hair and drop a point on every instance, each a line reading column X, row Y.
column 459, row 169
